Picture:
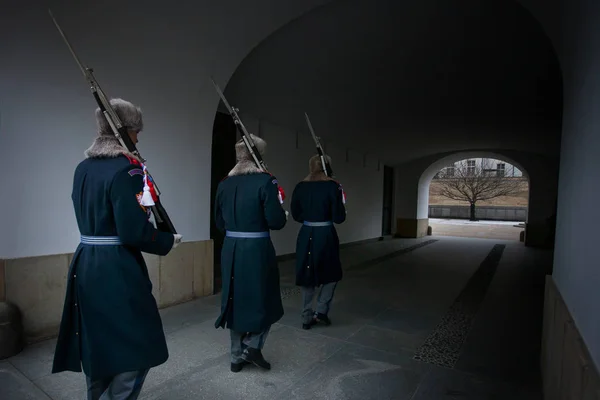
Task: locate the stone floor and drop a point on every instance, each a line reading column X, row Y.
column 424, row 319
column 503, row 230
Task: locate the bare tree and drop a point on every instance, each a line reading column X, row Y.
column 469, row 182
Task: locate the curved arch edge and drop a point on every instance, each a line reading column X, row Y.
column 428, row 174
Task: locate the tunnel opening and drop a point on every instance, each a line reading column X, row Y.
column 475, row 195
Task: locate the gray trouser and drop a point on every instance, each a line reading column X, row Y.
column 323, row 301
column 125, row 386
column 241, row 341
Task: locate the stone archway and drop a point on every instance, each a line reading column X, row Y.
column 412, row 191
column 429, row 173
column 426, row 179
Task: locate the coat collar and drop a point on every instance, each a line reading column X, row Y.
column 107, row 147
column 244, row 167
column 318, row 176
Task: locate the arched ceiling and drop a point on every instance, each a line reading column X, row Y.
column 409, row 79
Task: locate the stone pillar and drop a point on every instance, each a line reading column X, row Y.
column 407, row 222
column 411, row 227
column 540, row 234
column 541, row 218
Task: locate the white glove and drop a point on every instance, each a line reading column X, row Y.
column 286, row 214
column 176, row 241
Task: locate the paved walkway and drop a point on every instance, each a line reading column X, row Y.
column 504, row 230
column 431, row 318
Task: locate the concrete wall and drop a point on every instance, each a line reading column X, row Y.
column 498, row 213
column 47, row 121
column 37, row 285
column 47, row 110
column 571, row 353
column 576, row 264
column 567, row 368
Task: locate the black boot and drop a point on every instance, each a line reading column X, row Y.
column 322, row 318
column 255, row 357
column 237, row 367
column 309, row 324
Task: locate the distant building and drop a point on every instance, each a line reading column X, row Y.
column 483, row 166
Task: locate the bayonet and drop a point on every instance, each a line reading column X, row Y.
column 250, row 145
column 243, row 131
column 326, row 166
column 88, row 73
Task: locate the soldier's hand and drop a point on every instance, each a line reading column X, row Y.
column 176, row 240
column 286, row 214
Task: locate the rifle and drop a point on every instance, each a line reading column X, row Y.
column 326, row 166
column 246, row 137
column 163, row 222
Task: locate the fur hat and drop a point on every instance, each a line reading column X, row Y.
column 129, row 114
column 245, row 163
column 242, row 153
column 316, row 170
column 315, row 165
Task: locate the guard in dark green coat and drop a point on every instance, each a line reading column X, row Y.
column 247, row 207
column 318, row 202
column 110, row 324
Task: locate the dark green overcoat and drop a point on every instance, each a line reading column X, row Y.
column 251, row 297
column 318, row 248
column 110, row 322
